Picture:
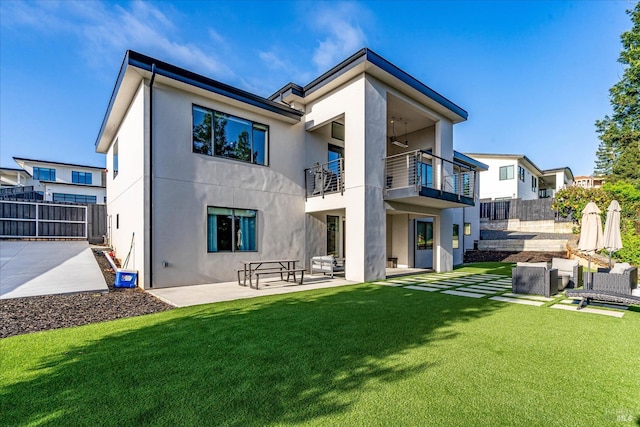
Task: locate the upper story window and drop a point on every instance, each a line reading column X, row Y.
column 81, row 177
column 534, row 183
column 44, row 174
column 337, row 131
column 521, row 173
column 224, row 135
column 115, row 158
column 506, row 172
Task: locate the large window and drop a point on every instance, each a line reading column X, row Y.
column 426, row 175
column 76, row 198
column 521, row 173
column 456, row 236
column 224, row 135
column 424, row 235
column 534, row 183
column 115, row 158
column 81, row 177
column 231, row 230
column 506, row 172
column 44, row 174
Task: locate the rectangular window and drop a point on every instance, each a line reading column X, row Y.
column 534, row 183
column 521, row 173
column 224, row 135
column 44, row 174
column 81, row 177
column 506, row 172
column 76, row 198
column 117, row 221
column 426, row 175
column 424, row 235
column 456, row 236
column 231, row 230
column 115, row 158
column 337, row 131
column 467, row 229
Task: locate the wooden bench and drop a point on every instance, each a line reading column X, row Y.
column 589, row 294
column 290, row 272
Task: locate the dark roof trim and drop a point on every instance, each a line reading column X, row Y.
column 377, row 60
column 58, row 163
column 165, row 69
column 294, row 88
column 469, row 161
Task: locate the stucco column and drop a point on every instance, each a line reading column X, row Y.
column 365, row 139
column 443, row 241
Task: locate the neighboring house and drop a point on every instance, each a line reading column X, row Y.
column 54, row 181
column 588, row 181
column 515, row 176
column 359, row 163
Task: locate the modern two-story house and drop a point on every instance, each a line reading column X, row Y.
column 358, row 163
column 53, row 181
column 515, row 176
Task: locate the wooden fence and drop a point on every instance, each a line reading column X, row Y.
column 524, row 210
column 47, row 220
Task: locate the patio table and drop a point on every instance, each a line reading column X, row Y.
column 255, row 268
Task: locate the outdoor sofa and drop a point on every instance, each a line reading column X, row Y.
column 534, row 278
column 617, row 285
column 327, row 264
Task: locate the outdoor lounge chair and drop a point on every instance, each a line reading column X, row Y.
column 534, row 278
column 569, row 272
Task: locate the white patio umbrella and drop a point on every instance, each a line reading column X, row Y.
column 590, row 233
column 612, row 239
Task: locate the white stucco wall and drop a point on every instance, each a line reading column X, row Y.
column 125, row 192
column 185, row 183
column 491, row 186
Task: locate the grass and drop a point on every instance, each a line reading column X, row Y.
column 356, row 355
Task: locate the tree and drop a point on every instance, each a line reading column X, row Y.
column 619, row 150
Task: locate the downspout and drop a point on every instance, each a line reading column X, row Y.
column 153, row 77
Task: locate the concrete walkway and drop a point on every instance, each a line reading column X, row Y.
column 183, row 296
column 32, row 268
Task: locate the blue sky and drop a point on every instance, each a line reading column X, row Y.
column 533, row 75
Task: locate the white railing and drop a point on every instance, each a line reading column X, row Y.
column 420, row 169
column 325, row 178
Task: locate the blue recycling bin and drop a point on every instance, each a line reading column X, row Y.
column 126, row 279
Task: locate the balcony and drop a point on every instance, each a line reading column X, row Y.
column 421, row 178
column 325, row 178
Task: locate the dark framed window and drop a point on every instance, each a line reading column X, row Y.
column 506, row 172
column 81, row 177
column 456, row 236
column 223, row 135
column 115, row 158
column 426, row 175
column 521, row 173
column 467, row 229
column 337, row 131
column 424, row 235
column 231, row 230
column 534, row 183
column 76, row 198
column 44, row 174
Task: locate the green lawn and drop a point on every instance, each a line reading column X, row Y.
column 355, row 355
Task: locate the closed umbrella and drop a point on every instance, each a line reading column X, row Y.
column 590, row 232
column 612, row 240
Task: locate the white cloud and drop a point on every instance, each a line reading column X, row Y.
column 344, row 34
column 107, row 31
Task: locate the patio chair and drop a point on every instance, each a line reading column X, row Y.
column 534, row 278
column 569, row 272
column 325, row 265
